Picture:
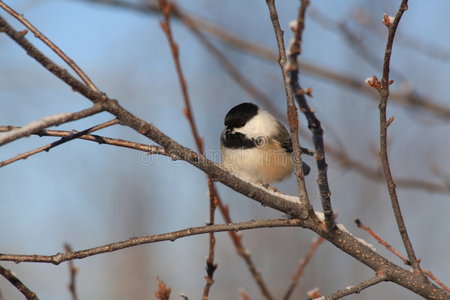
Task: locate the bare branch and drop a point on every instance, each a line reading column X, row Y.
column 301, row 268
column 167, row 9
column 215, row 200
column 48, row 121
column 73, row 274
column 50, row 44
column 30, row 295
column 291, row 108
column 356, row 289
column 292, row 88
column 384, row 93
column 381, row 241
column 172, row 236
column 398, row 254
column 69, row 135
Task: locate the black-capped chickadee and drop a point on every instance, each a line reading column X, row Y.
column 256, row 146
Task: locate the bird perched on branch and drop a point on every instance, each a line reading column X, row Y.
column 256, row 146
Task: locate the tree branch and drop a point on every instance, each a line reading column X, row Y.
column 73, row 274
column 30, row 295
column 291, row 108
column 356, row 289
column 301, row 268
column 398, row 254
column 167, row 9
column 48, row 121
column 171, row 236
column 292, row 87
column 67, row 135
column 384, row 124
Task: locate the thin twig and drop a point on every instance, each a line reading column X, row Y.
column 149, row 149
column 47, row 122
column 291, row 109
column 167, row 9
column 381, row 241
column 398, row 254
column 30, row 295
column 356, row 289
column 292, row 68
column 384, row 124
column 73, row 274
column 68, row 137
column 301, row 268
column 50, row 44
column 171, row 236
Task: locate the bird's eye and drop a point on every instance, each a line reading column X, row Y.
column 261, row 141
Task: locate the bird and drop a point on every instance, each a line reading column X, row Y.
column 256, row 146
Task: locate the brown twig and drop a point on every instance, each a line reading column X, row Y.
column 398, row 254
column 313, row 122
column 171, row 236
column 288, row 205
column 384, row 95
column 47, row 122
column 50, row 44
column 356, row 289
column 73, row 274
column 292, row 87
column 291, row 108
column 68, row 137
column 168, row 8
column 381, row 241
column 301, row 268
column 30, row 295
column 149, row 149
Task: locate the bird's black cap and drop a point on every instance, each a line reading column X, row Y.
column 239, row 115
